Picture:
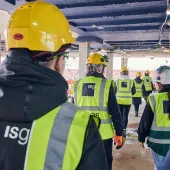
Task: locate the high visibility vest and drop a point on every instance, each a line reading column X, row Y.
column 92, row 94
column 159, row 137
column 147, row 83
column 138, row 88
column 124, row 91
column 53, row 138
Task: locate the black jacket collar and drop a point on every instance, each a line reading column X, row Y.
column 29, row 90
column 95, row 74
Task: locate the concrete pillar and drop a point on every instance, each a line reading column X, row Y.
column 109, row 69
column 84, row 51
column 124, row 62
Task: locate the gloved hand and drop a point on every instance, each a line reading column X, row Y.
column 118, row 141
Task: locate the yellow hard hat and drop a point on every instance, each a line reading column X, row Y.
column 124, row 69
column 38, row 26
column 96, row 59
column 147, row 72
column 138, row 74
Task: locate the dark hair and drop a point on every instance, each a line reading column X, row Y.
column 91, row 68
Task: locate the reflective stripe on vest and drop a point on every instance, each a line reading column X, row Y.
column 148, row 85
column 75, row 90
column 138, row 87
column 159, row 141
column 96, row 104
column 124, row 94
column 161, row 123
column 53, row 137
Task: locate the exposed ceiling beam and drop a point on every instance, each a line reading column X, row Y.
column 100, row 3
column 122, row 29
column 13, row 2
column 150, row 19
column 90, row 39
column 142, row 35
column 129, row 42
column 137, row 45
column 124, row 11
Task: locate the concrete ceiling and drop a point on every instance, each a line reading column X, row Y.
column 113, row 24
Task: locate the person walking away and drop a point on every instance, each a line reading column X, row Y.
column 155, row 121
column 125, row 88
column 95, row 94
column 39, row 129
column 147, row 80
column 137, row 97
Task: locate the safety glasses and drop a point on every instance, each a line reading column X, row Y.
column 64, row 54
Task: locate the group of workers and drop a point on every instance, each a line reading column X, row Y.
column 110, row 101
column 40, row 129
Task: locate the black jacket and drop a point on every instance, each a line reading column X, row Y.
column 27, row 92
column 146, row 121
column 113, row 109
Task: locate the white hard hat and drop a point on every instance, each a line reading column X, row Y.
column 163, row 75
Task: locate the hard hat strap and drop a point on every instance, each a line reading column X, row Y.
column 46, row 56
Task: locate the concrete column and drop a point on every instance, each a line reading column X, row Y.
column 84, row 51
column 124, row 62
column 109, row 69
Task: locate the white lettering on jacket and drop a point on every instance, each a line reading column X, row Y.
column 91, row 86
column 15, row 133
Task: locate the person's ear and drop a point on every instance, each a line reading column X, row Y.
column 57, row 65
column 51, row 64
column 60, row 64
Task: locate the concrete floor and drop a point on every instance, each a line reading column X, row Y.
column 132, row 118
column 131, row 156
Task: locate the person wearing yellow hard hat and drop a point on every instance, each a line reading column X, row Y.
column 147, row 80
column 95, row 94
column 125, row 88
column 39, row 128
column 137, row 97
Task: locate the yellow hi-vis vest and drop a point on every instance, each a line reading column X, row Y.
column 138, row 87
column 56, row 139
column 147, row 83
column 92, row 94
column 159, row 137
column 124, row 91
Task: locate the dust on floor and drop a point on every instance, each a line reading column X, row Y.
column 132, row 156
